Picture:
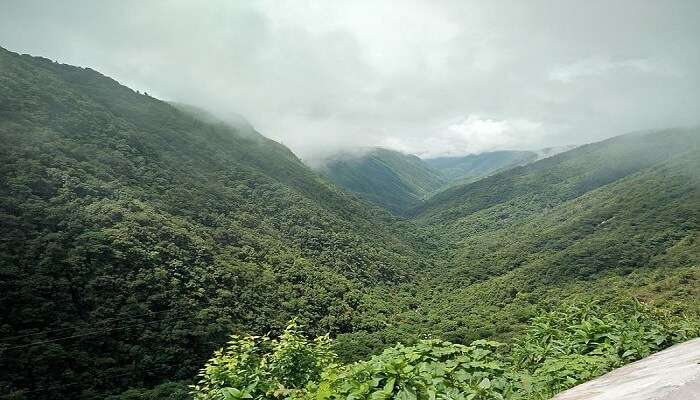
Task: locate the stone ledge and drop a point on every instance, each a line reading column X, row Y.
column 671, row 374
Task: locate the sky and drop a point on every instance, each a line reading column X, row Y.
column 432, row 78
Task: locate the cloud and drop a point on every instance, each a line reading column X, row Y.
column 471, row 135
column 324, row 76
column 598, row 67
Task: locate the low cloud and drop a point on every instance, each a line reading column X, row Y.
column 471, row 135
column 327, row 76
column 598, row 67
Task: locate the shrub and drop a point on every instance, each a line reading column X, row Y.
column 560, row 349
column 257, row 367
column 431, row 369
column 574, row 344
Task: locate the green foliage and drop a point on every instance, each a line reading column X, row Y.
column 428, row 370
column 257, row 367
column 565, row 347
column 559, row 349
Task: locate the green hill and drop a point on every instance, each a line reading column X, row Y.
column 136, row 237
column 611, row 219
column 622, row 210
column 561, row 177
column 388, row 178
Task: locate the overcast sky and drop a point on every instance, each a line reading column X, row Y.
column 428, row 77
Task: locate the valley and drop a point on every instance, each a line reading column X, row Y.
column 401, row 182
column 138, row 235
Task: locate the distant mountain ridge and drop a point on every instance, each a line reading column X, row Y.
column 475, row 166
column 399, row 181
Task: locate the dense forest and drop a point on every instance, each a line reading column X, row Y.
column 138, row 235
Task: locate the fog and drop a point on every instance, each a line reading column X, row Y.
column 431, row 78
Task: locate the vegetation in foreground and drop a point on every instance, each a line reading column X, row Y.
column 559, row 349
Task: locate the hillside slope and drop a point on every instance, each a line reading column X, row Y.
column 388, row 178
column 400, row 182
column 628, row 206
column 559, row 178
column 136, row 237
column 613, row 219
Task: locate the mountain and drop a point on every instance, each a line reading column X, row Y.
column 618, row 216
column 400, row 182
column 388, row 178
column 137, row 236
column 475, row 166
column 561, row 177
column 472, row 167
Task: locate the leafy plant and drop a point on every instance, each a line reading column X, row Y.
column 257, row 367
column 428, row 370
column 568, row 346
column 560, row 349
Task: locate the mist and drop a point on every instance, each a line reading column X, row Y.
column 428, row 78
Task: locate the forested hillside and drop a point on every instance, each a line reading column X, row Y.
column 613, row 219
column 617, row 216
column 561, row 177
column 393, row 180
column 136, row 237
